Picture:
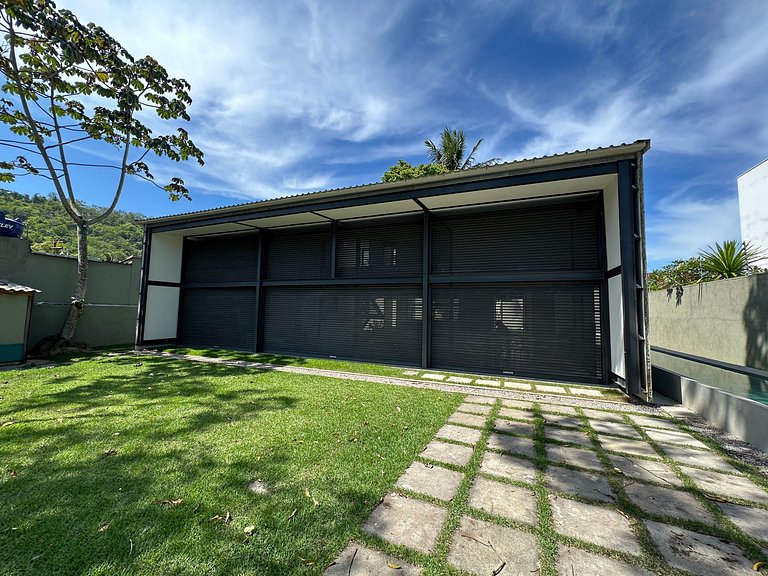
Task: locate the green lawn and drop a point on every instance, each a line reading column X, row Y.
column 130, row 465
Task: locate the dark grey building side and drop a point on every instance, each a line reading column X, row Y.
column 504, row 270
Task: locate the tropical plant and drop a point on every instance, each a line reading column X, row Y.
column 677, row 273
column 452, row 149
column 70, row 84
column 405, row 171
column 729, row 260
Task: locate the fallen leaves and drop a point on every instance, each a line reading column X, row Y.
column 759, row 566
column 393, row 566
column 308, row 494
column 13, row 474
column 293, row 514
column 7, row 423
column 307, row 561
column 226, row 518
column 104, row 527
column 174, row 502
column 109, row 452
column 249, row 530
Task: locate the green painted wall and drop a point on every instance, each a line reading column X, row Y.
column 112, row 297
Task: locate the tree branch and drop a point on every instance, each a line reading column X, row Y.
column 123, row 167
column 62, row 155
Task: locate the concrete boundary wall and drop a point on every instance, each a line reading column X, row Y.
column 742, row 417
column 724, row 320
column 111, row 299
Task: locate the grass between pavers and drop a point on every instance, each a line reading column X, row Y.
column 130, row 465
column 609, row 394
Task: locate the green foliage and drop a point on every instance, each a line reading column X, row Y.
column 45, row 222
column 50, row 63
column 405, row 171
column 677, row 273
column 452, row 149
column 729, row 260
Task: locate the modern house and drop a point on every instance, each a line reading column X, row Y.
column 533, row 268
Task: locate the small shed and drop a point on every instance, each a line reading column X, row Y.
column 15, row 310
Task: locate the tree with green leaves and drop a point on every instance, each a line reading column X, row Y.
column 451, row 152
column 69, row 84
column 405, row 171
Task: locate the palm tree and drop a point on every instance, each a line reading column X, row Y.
column 730, row 259
column 450, row 153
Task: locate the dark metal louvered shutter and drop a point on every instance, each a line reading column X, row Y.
column 371, row 323
column 391, row 250
column 527, row 329
column 219, row 318
column 536, row 239
column 299, row 254
column 214, row 313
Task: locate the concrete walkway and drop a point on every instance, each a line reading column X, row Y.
column 512, row 487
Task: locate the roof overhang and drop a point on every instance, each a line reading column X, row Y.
column 536, row 180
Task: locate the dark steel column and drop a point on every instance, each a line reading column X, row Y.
column 426, row 304
column 143, row 286
column 257, row 345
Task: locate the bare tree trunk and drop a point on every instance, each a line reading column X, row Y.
column 78, row 298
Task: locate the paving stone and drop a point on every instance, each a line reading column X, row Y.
column 560, row 409
column 601, row 415
column 576, row 562
column 567, row 435
column 518, row 413
column 406, row 522
column 429, row 376
column 550, row 389
column 481, row 382
column 692, row 457
column 514, row 427
column 594, row 524
column 676, row 437
column 357, row 559
column 503, row 500
column 626, row 446
column 480, row 548
column 560, row 420
column 698, row 553
column 727, row 485
column 667, row 502
column 648, row 470
column 520, row 404
column 753, row 521
column 574, row 457
column 480, row 399
column 584, row 484
column 512, row 444
column 431, row 480
column 615, row 428
column 410, row 373
column 468, row 419
column 586, row 392
column 518, row 386
column 459, row 433
column 459, row 380
column 651, row 422
column 509, row 467
column 448, row 453
column 475, row 408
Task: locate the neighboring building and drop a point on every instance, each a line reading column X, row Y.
column 530, row 268
column 753, row 208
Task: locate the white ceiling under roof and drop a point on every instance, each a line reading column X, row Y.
column 506, row 194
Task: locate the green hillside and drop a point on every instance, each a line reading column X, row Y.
column 47, row 225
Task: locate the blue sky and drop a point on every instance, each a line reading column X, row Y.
column 299, row 96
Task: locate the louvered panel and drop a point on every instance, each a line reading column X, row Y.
column 549, row 330
column 376, row 324
column 221, row 260
column 299, row 254
column 379, row 250
column 219, row 317
column 545, row 238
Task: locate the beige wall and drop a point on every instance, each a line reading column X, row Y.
column 724, row 320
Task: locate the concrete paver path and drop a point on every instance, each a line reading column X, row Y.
column 511, row 487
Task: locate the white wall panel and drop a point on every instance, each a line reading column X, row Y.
column 616, row 317
column 165, row 257
column 611, row 209
column 162, row 312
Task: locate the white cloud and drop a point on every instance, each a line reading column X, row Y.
column 681, row 225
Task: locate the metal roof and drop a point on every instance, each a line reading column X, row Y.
column 575, row 158
column 8, row 287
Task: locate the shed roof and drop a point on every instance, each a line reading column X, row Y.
column 8, row 287
column 555, row 161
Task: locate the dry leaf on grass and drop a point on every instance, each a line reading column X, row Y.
column 249, row 530
column 174, row 502
column 226, row 518
column 307, row 561
column 393, row 566
column 13, row 473
column 8, row 423
column 110, row 452
column 104, row 527
column 293, row 514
